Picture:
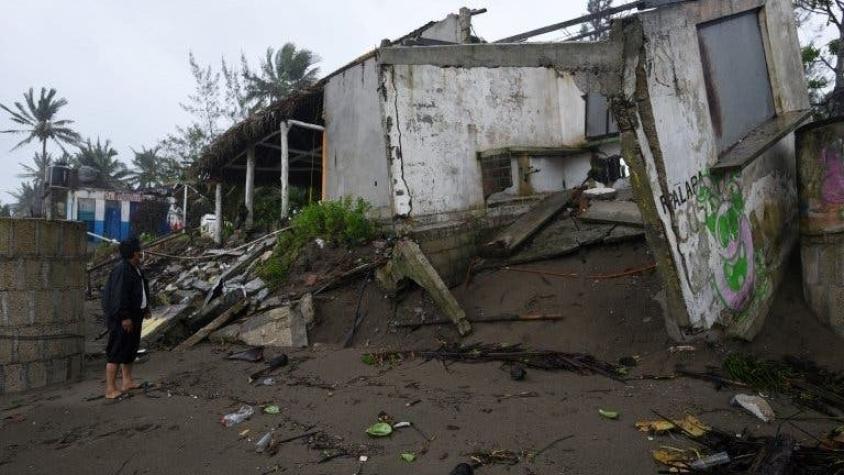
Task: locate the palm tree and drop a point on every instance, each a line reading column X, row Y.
column 152, row 169
column 282, row 73
column 27, row 200
column 39, row 120
column 111, row 173
column 5, row 210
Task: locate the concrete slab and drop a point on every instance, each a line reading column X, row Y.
column 613, row 212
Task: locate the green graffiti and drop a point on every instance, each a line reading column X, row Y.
column 723, row 205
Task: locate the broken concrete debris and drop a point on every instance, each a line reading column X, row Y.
column 527, row 225
column 409, row 263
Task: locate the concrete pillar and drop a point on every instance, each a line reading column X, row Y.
column 218, row 214
column 70, row 212
column 285, row 165
column 249, row 199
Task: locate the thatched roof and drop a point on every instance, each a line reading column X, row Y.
column 305, row 106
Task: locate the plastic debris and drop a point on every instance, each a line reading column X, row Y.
column 408, row 457
column 690, row 424
column 272, row 409
column 380, row 429
column 264, row 442
column 234, row 418
column 721, row 458
column 401, row 425
column 608, row 414
column 754, row 405
column 682, row 349
column 266, row 382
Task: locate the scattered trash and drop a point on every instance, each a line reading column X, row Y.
column 408, row 457
column 579, row 363
column 608, row 414
column 243, row 433
column 690, row 424
column 380, row 429
column 671, row 457
column 272, row 409
column 234, row 418
column 253, row 355
column 264, row 442
column 754, row 405
column 517, row 373
column 272, row 365
column 463, row 469
column 721, row 458
column 401, row 425
column 267, row 382
column 682, row 349
column 413, row 403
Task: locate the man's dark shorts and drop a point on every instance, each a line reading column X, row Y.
column 122, row 347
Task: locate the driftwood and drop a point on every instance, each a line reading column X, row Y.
column 527, row 225
column 218, row 322
column 529, row 317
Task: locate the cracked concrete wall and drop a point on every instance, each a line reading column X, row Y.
column 438, row 118
column 357, row 161
column 720, row 239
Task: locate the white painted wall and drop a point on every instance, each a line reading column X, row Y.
column 438, row 118
column 762, row 196
column 357, row 160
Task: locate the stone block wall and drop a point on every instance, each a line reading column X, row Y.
column 42, row 296
column 823, row 277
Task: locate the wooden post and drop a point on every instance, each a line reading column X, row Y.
column 185, row 207
column 218, row 214
column 249, row 199
column 285, row 165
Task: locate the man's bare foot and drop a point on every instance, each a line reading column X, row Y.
column 129, row 385
column 113, row 394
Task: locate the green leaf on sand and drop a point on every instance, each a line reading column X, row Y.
column 272, row 409
column 368, row 359
column 408, row 457
column 608, row 414
column 380, row 429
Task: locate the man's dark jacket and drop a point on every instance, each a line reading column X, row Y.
column 122, row 294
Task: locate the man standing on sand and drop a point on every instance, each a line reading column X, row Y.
column 125, row 305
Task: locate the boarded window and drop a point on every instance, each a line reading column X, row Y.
column 599, row 120
column 496, row 172
column 736, row 73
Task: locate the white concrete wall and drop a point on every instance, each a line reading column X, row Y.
column 438, row 118
column 728, row 234
column 357, row 160
column 447, row 29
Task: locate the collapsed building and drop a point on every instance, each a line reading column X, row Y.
column 448, row 137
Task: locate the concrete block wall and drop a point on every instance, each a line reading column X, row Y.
column 42, row 292
column 823, row 278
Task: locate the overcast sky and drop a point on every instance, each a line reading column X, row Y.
column 122, row 65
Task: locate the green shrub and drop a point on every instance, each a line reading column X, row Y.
column 342, row 222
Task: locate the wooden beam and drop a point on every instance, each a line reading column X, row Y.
column 218, row 322
column 527, row 225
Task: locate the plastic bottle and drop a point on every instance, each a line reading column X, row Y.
column 234, row 418
column 264, row 442
column 721, row 458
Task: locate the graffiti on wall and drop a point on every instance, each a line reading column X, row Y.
column 734, row 277
column 716, row 234
column 822, row 180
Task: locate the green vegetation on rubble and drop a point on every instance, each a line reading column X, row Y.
column 342, row 222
